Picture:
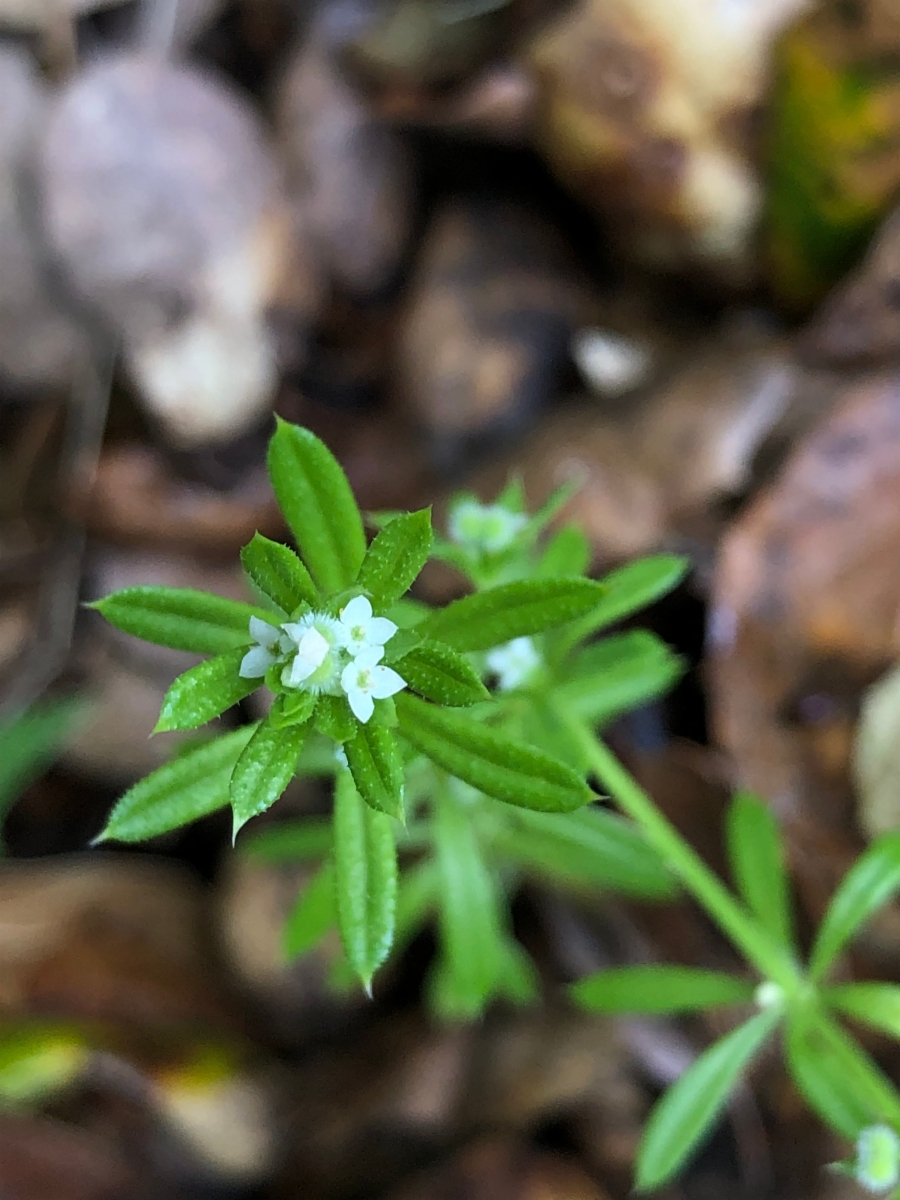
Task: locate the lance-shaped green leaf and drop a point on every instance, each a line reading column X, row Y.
column 279, row 574
column 417, row 899
column 395, row 557
column 874, row 1004
column 628, row 590
column 181, row 618
column 204, row 692
column 183, row 790
column 487, row 760
column 617, row 674
column 365, row 863
column 757, row 863
column 469, row 916
column 318, row 505
column 334, row 718
column 836, row 1076
column 588, row 848
column 290, row 841
column 568, row 553
column 688, row 1109
column 520, row 609
column 440, row 674
column 265, row 768
column 313, row 914
column 377, row 768
column 869, row 884
column 659, row 989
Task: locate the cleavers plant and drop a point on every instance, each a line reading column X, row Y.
column 461, row 741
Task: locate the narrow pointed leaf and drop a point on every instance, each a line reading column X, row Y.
column 837, row 1077
column 395, row 557
column 264, row 770
column 279, row 574
column 183, row 790
column 377, row 768
column 628, row 590
column 567, row 554
column 874, row 1004
column 204, row 692
column 617, row 674
column 494, row 617
column 334, row 718
column 417, row 899
column 313, row 914
column 365, row 863
column 588, row 848
column 290, row 841
column 690, row 1107
column 871, row 882
column 469, row 921
column 440, row 674
column 659, row 989
column 756, row 854
column 318, row 505
column 181, row 618
column 488, row 760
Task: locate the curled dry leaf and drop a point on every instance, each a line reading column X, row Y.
column 163, row 203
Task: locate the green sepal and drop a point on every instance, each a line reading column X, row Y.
column 521, row 609
column 263, row 771
column 318, row 505
column 181, row 618
column 205, row 692
column 377, row 768
column 335, row 719
column 183, row 790
column 279, row 574
column 440, row 674
column 489, row 761
column 313, row 914
column 292, row 708
column 365, row 861
column 396, row 556
column 659, row 989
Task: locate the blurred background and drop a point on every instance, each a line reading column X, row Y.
column 647, row 245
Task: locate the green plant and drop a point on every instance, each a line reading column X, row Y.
column 476, row 788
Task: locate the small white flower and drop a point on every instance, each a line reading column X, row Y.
column 514, row 664
column 316, row 664
column 359, row 629
column 260, row 657
column 364, row 682
column 878, row 1158
column 487, row 527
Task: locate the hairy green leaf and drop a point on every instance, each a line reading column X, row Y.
column 659, row 989
column 318, row 505
column 181, row 618
column 440, row 674
column 334, row 718
column 265, row 768
column 395, row 557
column 617, row 674
column 757, row 863
column 869, row 884
column 873, row 1004
column 314, row 913
column 489, row 761
column 183, row 790
column 204, row 692
column 290, row 841
column 629, row 589
column 688, row 1109
column 837, row 1077
column 279, row 574
column 520, row 609
column 365, row 861
column 377, row 768
column 292, row 708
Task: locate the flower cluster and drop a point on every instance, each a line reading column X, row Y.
column 488, row 528
column 331, row 655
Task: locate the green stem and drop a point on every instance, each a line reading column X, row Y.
column 770, row 959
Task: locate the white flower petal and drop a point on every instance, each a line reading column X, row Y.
column 386, row 682
column 264, row 633
column 296, row 631
column 361, row 703
column 255, row 663
column 349, row 677
column 356, row 611
column 300, row 669
column 368, row 657
column 313, row 648
column 380, row 630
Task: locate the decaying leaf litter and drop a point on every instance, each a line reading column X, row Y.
column 646, row 248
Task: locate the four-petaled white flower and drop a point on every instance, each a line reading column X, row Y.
column 360, row 629
column 364, row 682
column 269, row 649
column 877, row 1166
column 514, row 664
column 486, row 527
